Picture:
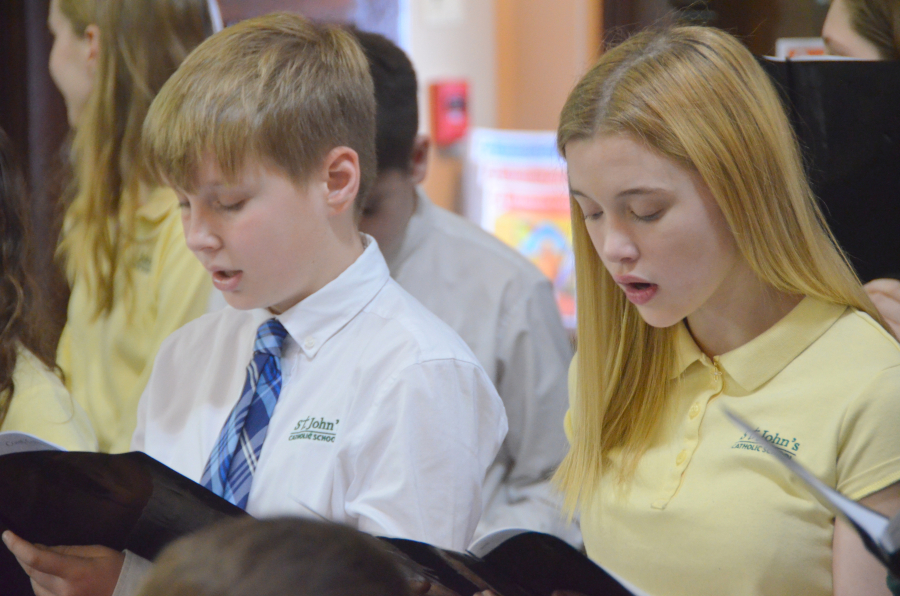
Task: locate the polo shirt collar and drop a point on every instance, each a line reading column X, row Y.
column 157, row 206
column 317, row 318
column 754, row 363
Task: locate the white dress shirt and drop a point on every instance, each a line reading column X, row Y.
column 386, row 421
column 504, row 308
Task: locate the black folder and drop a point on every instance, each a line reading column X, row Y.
column 847, row 117
column 128, row 500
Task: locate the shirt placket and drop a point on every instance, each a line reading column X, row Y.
column 690, row 430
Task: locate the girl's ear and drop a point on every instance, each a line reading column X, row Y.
column 341, row 169
column 92, row 37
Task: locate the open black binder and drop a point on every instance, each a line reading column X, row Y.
column 128, row 500
column 508, row 563
column 847, row 117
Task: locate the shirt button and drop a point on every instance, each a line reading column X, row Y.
column 681, row 457
column 310, row 343
column 694, row 411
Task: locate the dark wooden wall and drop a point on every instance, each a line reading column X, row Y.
column 757, row 22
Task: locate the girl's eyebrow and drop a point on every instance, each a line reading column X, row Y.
column 631, row 192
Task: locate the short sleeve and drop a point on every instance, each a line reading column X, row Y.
column 868, row 449
column 42, row 407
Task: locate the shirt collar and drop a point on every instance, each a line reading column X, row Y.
column 159, row 203
column 754, row 363
column 317, row 318
column 416, row 231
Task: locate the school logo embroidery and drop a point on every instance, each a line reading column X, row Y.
column 143, row 263
column 311, row 429
column 789, row 447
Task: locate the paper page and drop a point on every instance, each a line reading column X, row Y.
column 864, row 519
column 16, row 442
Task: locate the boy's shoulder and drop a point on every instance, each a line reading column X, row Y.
column 395, row 322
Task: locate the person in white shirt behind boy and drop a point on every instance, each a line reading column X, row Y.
column 359, row 405
column 497, row 300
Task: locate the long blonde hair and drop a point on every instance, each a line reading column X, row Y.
column 142, row 42
column 697, row 96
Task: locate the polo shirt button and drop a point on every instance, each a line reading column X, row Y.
column 310, row 343
column 681, row 457
column 694, row 411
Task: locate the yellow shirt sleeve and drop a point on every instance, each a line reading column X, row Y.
column 868, row 451
column 42, row 407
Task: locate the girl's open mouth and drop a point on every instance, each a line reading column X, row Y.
column 639, row 293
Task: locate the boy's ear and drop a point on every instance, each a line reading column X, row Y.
column 418, row 161
column 341, row 169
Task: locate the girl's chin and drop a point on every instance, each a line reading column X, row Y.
column 657, row 319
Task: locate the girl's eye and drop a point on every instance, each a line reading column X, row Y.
column 649, row 217
column 593, row 216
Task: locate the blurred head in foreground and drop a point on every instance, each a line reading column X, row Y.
column 276, row 557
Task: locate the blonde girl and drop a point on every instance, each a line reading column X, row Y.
column 706, row 278
column 133, row 280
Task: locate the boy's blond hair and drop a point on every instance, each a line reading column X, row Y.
column 276, row 88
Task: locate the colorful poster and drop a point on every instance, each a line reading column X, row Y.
column 516, row 189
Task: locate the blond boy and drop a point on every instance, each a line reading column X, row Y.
column 358, row 404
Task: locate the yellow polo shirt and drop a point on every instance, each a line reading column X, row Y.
column 42, row 407
column 708, row 513
column 107, row 360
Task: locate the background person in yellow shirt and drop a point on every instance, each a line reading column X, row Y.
column 132, row 277
column 706, row 274
column 32, row 398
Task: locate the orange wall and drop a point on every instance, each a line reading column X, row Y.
column 543, row 47
column 537, row 51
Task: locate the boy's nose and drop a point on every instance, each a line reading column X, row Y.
column 198, row 233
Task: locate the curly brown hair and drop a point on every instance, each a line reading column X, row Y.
column 20, row 305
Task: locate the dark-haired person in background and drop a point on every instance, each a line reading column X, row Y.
column 32, row 397
column 494, row 298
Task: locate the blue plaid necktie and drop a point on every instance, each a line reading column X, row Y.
column 232, row 463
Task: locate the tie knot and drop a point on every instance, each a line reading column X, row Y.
column 269, row 338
